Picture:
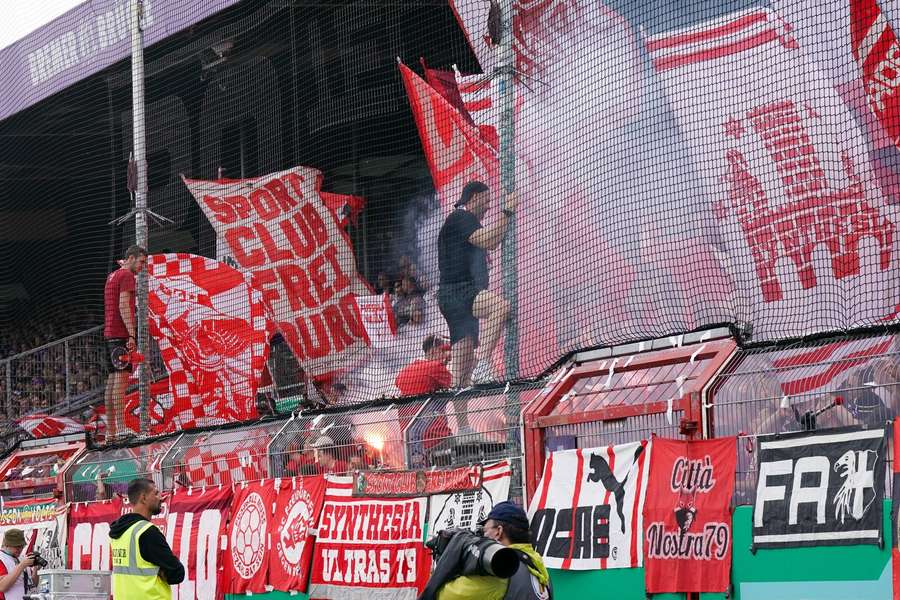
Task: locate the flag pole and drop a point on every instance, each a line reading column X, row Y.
column 506, row 83
column 140, row 196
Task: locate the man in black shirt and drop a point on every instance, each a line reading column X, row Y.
column 474, row 315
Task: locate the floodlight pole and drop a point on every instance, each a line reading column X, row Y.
column 507, row 159
column 140, row 195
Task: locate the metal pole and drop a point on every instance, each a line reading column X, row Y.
column 140, row 194
column 506, row 83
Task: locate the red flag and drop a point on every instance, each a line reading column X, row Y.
column 687, row 516
column 40, row 425
column 877, row 53
column 88, row 540
column 454, row 149
column 444, row 83
column 345, row 208
column 213, row 334
column 296, row 515
column 194, row 527
column 247, row 557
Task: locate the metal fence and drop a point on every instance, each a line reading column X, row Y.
column 847, row 380
column 100, row 474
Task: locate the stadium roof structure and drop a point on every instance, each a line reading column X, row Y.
column 83, row 42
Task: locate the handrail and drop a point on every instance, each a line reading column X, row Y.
column 51, row 344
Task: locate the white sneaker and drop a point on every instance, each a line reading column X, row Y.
column 482, row 372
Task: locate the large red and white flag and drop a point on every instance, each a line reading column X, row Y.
column 213, row 334
column 587, row 512
column 788, row 174
column 296, row 516
column 246, row 565
column 877, row 53
column 820, row 370
column 39, row 425
column 280, row 231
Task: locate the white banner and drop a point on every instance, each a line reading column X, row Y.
column 466, row 509
column 587, row 511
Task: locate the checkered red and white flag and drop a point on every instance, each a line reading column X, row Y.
column 213, row 334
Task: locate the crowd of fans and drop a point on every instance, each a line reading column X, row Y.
column 36, row 363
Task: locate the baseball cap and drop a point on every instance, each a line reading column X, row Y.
column 323, row 442
column 507, row 512
column 14, row 538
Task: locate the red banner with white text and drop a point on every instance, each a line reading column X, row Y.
column 687, row 516
column 246, row 557
column 297, row 512
column 369, row 548
column 88, row 538
column 280, row 231
column 195, row 525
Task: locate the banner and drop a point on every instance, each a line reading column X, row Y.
column 369, row 549
column 377, row 316
column 44, row 524
column 587, row 510
column 467, row 508
column 247, row 555
column 88, row 534
column 213, row 336
column 194, row 528
column 279, row 230
column 895, row 513
column 416, row 483
column 687, row 515
column 297, row 511
column 819, row 489
column 787, row 172
column 877, row 53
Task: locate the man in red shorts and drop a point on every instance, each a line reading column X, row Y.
column 120, row 335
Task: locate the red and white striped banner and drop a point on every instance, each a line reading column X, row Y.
column 39, row 425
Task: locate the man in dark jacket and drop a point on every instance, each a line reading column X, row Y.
column 146, row 569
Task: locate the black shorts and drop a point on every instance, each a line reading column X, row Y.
column 115, row 351
column 455, row 301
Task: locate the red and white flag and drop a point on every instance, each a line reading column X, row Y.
column 280, row 231
column 235, row 457
column 378, row 318
column 296, row 516
column 877, row 53
column 247, row 555
column 819, row 370
column 213, row 334
column 39, row 425
column 787, row 172
column 587, row 512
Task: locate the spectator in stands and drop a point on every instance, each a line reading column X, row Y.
column 428, row 374
column 120, row 333
column 863, row 401
column 383, row 284
column 326, row 459
column 463, row 295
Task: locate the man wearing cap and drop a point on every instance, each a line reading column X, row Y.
column 142, row 562
column 506, row 524
column 16, row 574
column 474, row 315
column 326, row 461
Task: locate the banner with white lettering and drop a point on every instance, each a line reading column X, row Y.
column 297, row 510
column 88, row 538
column 687, row 514
column 378, row 318
column 369, row 548
column 466, row 508
column 44, row 524
column 247, row 554
column 820, row 489
column 587, row 511
column 280, row 231
column 194, row 528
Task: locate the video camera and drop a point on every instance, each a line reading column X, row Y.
column 473, row 554
column 39, row 561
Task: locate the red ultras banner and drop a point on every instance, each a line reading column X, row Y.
column 687, row 516
column 296, row 515
column 194, row 528
column 88, row 541
column 246, row 561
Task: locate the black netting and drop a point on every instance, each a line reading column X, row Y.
column 677, row 165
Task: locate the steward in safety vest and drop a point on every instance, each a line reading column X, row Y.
column 142, row 563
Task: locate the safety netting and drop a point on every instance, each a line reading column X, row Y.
column 649, row 169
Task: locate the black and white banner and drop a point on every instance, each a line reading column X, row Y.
column 823, row 488
column 467, row 508
column 587, row 512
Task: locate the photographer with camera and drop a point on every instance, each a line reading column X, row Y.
column 501, row 565
column 17, row 575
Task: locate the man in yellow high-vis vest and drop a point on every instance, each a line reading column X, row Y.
column 143, row 564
